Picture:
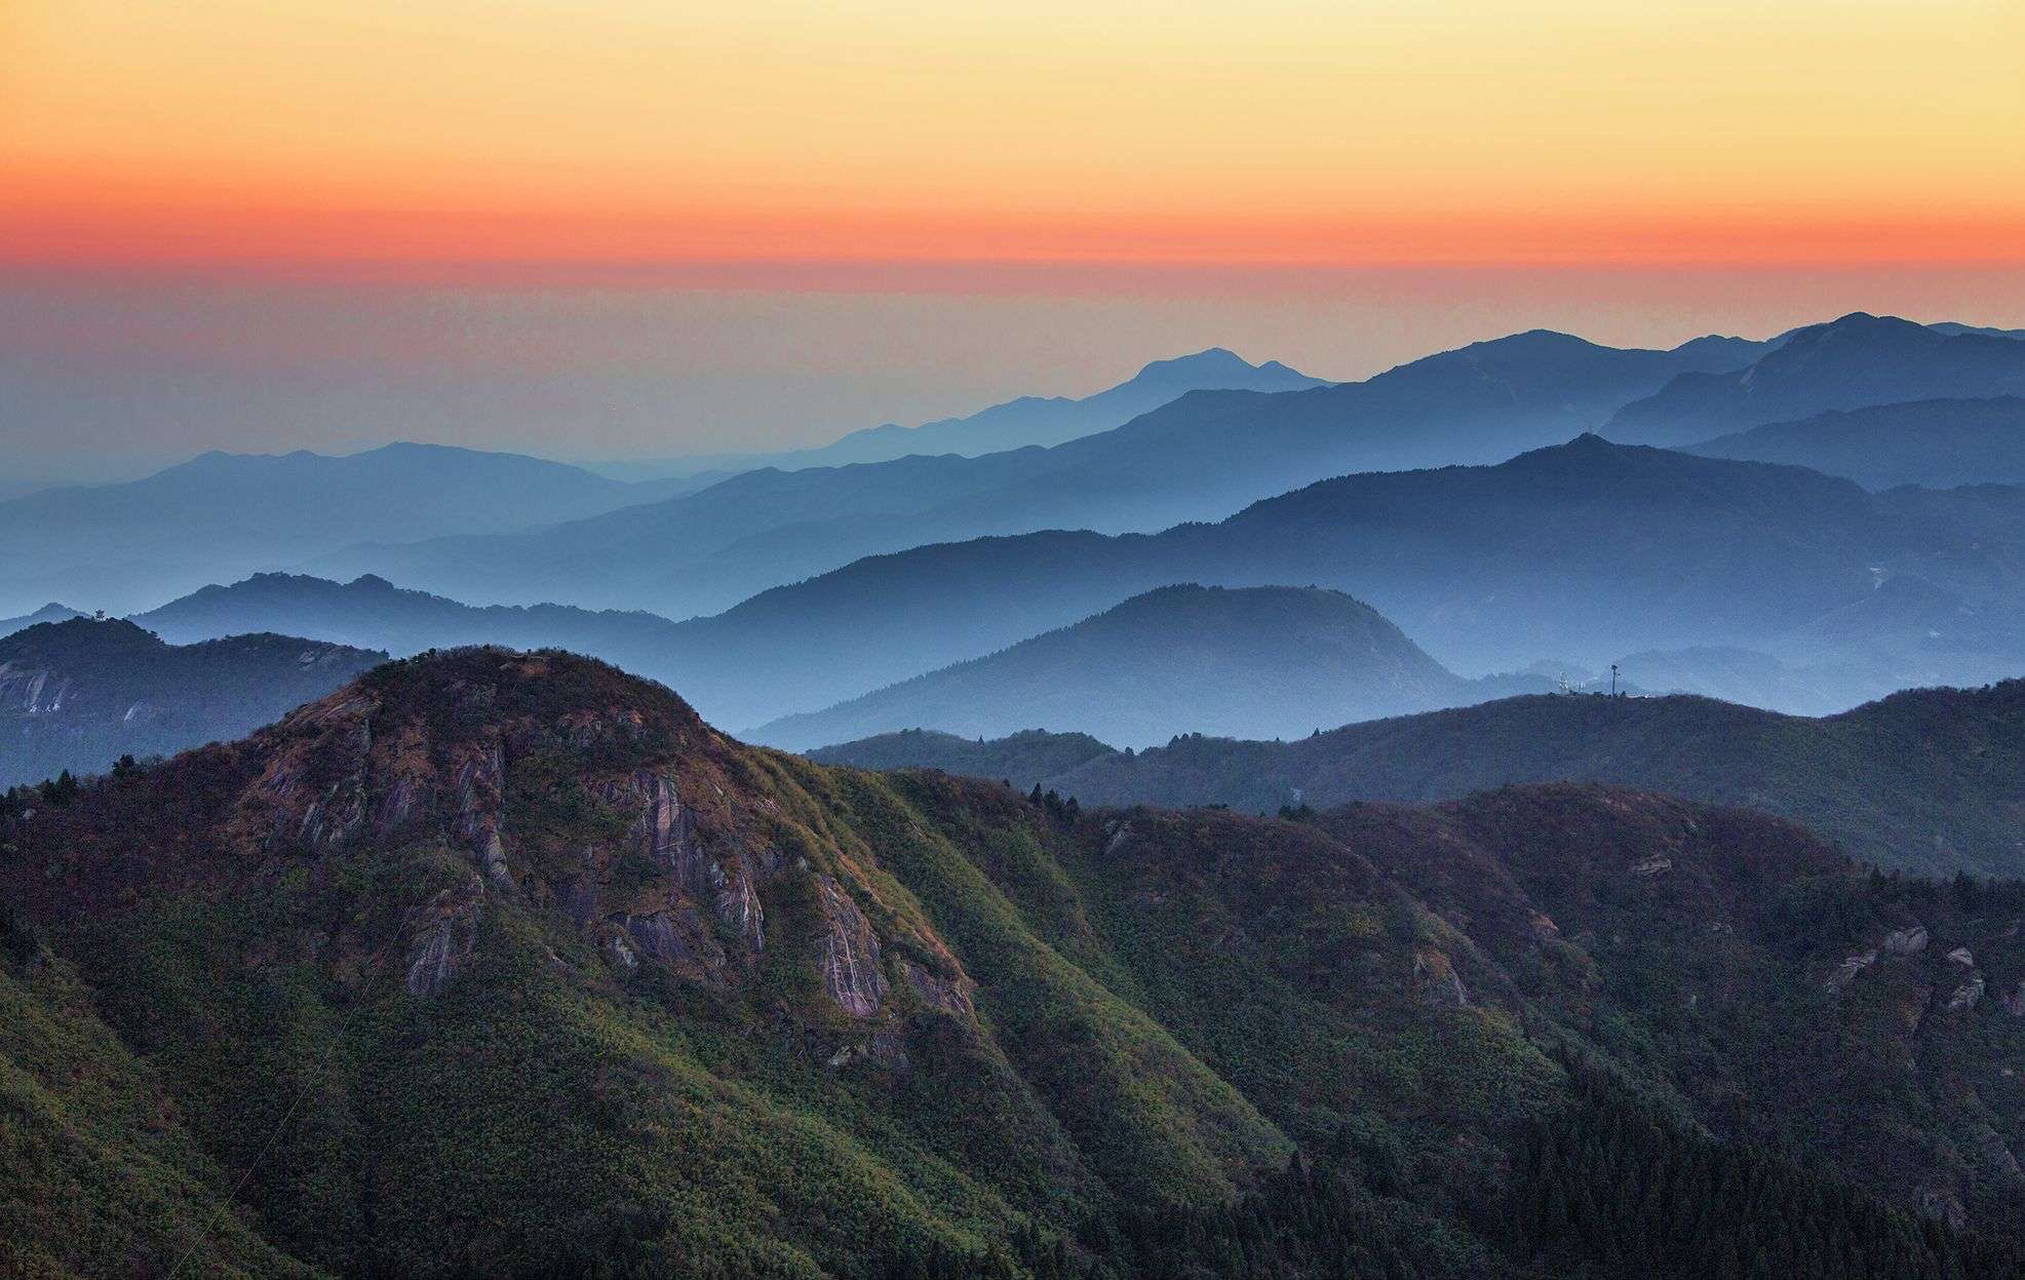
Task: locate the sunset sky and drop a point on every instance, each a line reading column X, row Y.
column 1274, row 131
column 857, row 148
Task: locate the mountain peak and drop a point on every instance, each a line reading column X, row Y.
column 1210, row 361
column 1538, row 340
column 495, row 687
column 1864, row 324
column 1175, row 659
column 1589, row 447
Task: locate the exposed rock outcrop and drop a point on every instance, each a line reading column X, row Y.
column 676, row 936
column 951, row 995
column 736, row 901
column 1991, row 1145
column 1906, row 942
column 1943, row 1205
column 1966, row 995
column 443, row 941
column 1437, row 980
column 1845, row 973
column 850, row 960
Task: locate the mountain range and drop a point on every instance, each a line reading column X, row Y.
column 80, row 694
column 1853, row 362
column 1201, row 456
column 1013, row 424
column 1930, row 780
column 502, row 528
column 135, row 544
column 1582, row 552
column 1935, row 443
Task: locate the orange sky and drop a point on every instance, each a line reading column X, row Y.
column 475, row 131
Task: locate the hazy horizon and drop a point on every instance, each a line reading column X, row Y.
column 110, row 376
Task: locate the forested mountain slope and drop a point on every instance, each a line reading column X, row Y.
column 509, row 965
column 1928, row 780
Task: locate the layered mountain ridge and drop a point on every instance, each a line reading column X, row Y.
column 1201, row 455
column 1927, row 780
column 1582, row 552
column 1857, row 360
column 131, row 545
column 1935, row 443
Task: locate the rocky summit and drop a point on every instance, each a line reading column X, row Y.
column 494, row 963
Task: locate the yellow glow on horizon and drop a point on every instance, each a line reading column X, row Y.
column 1275, row 131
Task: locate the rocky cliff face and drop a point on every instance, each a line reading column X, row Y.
column 637, row 823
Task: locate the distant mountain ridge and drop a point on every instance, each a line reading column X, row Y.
column 1022, row 422
column 77, row 695
column 1203, row 455
column 220, row 515
column 1935, row 443
column 1929, row 781
column 1255, row 660
column 1849, row 363
column 1046, row 421
column 1585, row 552
column 373, row 613
column 51, row 612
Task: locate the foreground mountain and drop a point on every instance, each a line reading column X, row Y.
column 1258, row 661
column 1850, row 363
column 1935, row 443
column 78, row 695
column 121, row 546
column 508, row 965
column 1927, row 781
column 1201, row 456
